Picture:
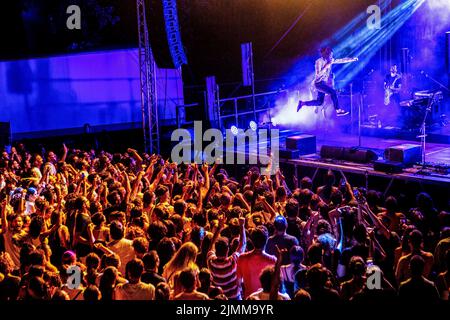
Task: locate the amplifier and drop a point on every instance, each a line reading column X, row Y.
column 388, row 166
column 348, row 154
column 405, row 153
column 289, row 154
column 304, row 143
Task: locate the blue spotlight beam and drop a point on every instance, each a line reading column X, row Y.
column 365, row 43
column 300, row 73
column 358, row 22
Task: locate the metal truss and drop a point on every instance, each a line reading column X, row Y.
column 147, row 67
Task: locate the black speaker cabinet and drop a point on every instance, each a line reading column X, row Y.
column 405, row 153
column 304, row 143
column 289, row 154
column 332, row 152
column 388, row 166
column 348, row 154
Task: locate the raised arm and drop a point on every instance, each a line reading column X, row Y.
column 217, row 233
column 136, row 184
column 64, row 156
column 135, row 155
column 276, row 275
column 242, row 236
column 344, row 60
column 244, row 202
column 4, row 220
column 206, row 173
column 268, row 207
column 385, row 231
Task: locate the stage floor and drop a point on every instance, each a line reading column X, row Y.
column 436, row 153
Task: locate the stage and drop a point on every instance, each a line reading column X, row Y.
column 437, row 158
column 436, row 154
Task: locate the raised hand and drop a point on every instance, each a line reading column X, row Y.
column 280, row 252
column 222, row 221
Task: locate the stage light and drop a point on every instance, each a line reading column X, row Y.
column 366, row 42
column 234, row 130
column 353, row 40
column 253, row 125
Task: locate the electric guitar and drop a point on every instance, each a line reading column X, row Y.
column 390, row 90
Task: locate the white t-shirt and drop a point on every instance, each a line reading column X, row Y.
column 136, row 291
column 124, row 249
column 11, row 242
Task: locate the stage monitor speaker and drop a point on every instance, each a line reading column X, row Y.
column 332, row 152
column 289, row 154
column 164, row 34
column 5, row 134
column 405, row 153
column 359, row 155
column 348, row 154
column 388, row 166
column 304, row 143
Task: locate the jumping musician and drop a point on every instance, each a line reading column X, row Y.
column 322, row 81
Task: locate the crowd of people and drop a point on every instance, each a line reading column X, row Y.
column 128, row 226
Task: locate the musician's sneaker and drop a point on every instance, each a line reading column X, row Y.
column 300, row 105
column 341, row 112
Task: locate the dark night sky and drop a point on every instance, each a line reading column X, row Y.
column 212, row 30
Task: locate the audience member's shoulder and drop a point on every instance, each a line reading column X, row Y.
column 404, row 283
column 405, row 258
column 202, row 296
column 270, row 257
column 120, row 286
column 148, row 286
column 244, row 256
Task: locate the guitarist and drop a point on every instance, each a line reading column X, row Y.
column 392, row 87
column 322, row 80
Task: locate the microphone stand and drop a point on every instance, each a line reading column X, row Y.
column 435, row 81
column 423, row 134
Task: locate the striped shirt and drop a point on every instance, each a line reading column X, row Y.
column 224, row 273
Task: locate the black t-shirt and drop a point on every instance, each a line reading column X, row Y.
column 389, row 80
column 9, row 288
column 294, row 228
column 420, row 290
column 389, row 245
column 283, row 242
column 152, row 277
column 360, row 250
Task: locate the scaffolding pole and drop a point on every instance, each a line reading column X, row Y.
column 147, row 68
